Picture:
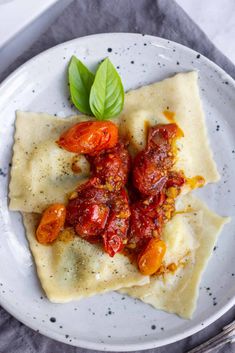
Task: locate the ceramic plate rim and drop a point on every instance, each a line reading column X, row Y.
column 133, row 346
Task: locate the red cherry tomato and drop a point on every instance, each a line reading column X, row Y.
column 162, row 134
column 51, row 223
column 92, row 219
column 148, row 175
column 88, row 212
column 151, row 165
column 115, row 234
column 89, row 137
column 146, row 221
column 112, row 167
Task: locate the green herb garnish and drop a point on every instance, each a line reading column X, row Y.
column 80, row 82
column 101, row 95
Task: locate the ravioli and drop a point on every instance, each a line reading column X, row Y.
column 46, row 168
column 71, row 268
column 178, row 95
column 190, row 237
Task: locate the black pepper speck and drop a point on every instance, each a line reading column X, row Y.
column 52, row 319
column 153, row 327
column 132, row 62
column 2, row 173
column 109, row 50
column 198, row 56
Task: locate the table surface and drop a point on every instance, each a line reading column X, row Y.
column 17, row 14
column 217, row 20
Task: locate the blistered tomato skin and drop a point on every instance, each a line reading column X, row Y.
column 151, row 165
column 92, row 219
column 148, row 177
column 88, row 212
column 97, row 212
column 52, row 222
column 115, row 234
column 112, row 166
column 89, row 137
column 162, row 134
column 175, row 179
column 146, row 221
column 151, row 258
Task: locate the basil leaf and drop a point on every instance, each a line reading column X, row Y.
column 107, row 93
column 80, row 82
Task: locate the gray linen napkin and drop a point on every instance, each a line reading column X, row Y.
column 163, row 18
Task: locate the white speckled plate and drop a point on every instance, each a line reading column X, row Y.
column 101, row 322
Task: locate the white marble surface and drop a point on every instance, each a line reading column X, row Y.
column 22, row 22
column 217, row 19
column 17, row 14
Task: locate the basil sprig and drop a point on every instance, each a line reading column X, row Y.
column 101, row 95
column 80, row 82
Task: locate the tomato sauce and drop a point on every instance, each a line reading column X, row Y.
column 158, row 186
column 100, row 209
column 125, row 204
column 112, row 166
